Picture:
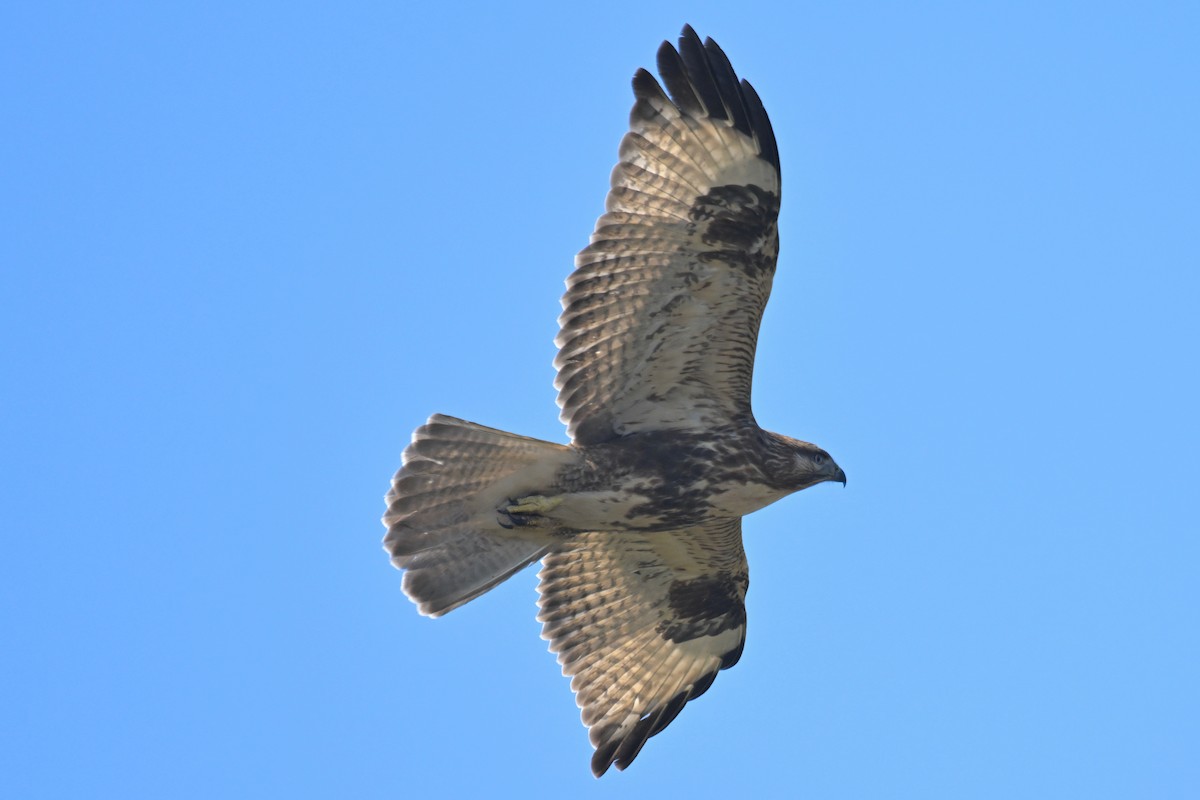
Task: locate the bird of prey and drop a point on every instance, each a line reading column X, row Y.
column 638, row 521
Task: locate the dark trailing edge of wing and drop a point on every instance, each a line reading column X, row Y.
column 701, row 83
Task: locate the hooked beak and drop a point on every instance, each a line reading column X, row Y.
column 838, row 475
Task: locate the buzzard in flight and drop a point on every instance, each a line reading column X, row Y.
column 638, row 521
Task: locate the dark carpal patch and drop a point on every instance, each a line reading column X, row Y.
column 739, row 221
column 704, row 606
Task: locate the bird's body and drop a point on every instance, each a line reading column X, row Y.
column 638, row 519
column 666, row 480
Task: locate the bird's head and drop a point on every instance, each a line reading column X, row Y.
column 799, row 465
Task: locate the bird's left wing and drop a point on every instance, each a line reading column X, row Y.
column 661, row 316
column 642, row 623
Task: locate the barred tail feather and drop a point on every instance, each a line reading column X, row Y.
column 442, row 523
column 461, row 567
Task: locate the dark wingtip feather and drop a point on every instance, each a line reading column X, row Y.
column 727, row 80
column 602, row 759
column 762, row 125
column 700, row 75
column 675, row 78
column 632, row 744
column 621, row 752
column 645, row 85
column 701, row 82
column 671, row 710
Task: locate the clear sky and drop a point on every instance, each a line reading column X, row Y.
column 246, row 248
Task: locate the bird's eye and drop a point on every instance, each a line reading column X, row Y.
column 819, row 459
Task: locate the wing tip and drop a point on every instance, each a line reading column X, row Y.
column 701, row 82
column 621, row 751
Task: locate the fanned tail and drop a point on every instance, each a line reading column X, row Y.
column 441, row 518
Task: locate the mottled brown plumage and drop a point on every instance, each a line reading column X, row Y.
column 638, row 519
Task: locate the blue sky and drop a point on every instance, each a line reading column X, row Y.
column 247, row 248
